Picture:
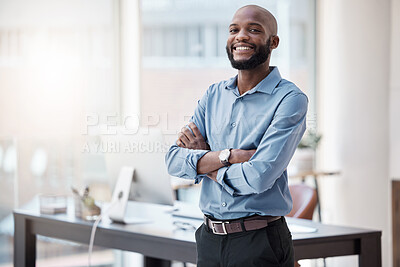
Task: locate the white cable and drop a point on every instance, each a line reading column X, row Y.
column 94, row 227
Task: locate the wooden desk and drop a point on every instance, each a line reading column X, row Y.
column 161, row 239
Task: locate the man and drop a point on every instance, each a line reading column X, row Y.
column 239, row 142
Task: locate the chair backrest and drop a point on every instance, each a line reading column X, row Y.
column 304, row 201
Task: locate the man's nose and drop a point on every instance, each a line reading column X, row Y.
column 242, row 35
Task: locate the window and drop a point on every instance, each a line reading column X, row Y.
column 184, row 51
column 57, row 64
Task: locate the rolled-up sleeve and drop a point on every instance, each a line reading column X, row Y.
column 182, row 162
column 274, row 152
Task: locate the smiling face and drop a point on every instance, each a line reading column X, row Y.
column 250, row 35
column 248, row 56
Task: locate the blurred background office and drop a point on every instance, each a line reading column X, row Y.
column 71, row 71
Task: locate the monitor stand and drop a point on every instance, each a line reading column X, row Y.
column 120, row 196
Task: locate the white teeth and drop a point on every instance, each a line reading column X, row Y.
column 242, row 48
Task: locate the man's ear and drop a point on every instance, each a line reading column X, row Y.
column 274, row 41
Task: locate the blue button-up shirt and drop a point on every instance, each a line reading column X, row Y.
column 271, row 118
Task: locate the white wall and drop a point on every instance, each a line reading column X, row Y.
column 395, row 93
column 353, row 85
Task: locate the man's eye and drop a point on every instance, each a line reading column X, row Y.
column 233, row 30
column 254, row 30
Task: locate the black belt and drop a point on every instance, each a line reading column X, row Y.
column 239, row 225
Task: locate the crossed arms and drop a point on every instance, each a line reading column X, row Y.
column 252, row 171
column 209, row 164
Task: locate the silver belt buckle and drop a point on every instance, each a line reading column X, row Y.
column 223, row 228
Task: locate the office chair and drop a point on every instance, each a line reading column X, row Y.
column 304, row 203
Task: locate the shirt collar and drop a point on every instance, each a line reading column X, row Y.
column 267, row 85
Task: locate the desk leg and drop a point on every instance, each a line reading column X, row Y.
column 318, row 202
column 318, row 207
column 370, row 252
column 154, row 262
column 24, row 243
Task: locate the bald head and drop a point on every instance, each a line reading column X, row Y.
column 252, row 37
column 263, row 15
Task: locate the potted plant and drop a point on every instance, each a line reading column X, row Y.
column 303, row 158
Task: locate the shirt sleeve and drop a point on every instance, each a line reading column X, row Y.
column 182, row 162
column 274, row 152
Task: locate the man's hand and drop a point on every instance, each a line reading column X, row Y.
column 213, row 175
column 192, row 141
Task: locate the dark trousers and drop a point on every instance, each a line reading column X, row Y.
column 269, row 246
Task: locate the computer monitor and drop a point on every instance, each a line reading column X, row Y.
column 145, row 152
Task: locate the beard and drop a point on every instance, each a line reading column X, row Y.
column 261, row 55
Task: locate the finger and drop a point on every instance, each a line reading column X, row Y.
column 187, row 133
column 183, row 138
column 212, row 175
column 180, row 143
column 195, row 130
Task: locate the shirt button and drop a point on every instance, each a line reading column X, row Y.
column 233, row 124
column 223, row 204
